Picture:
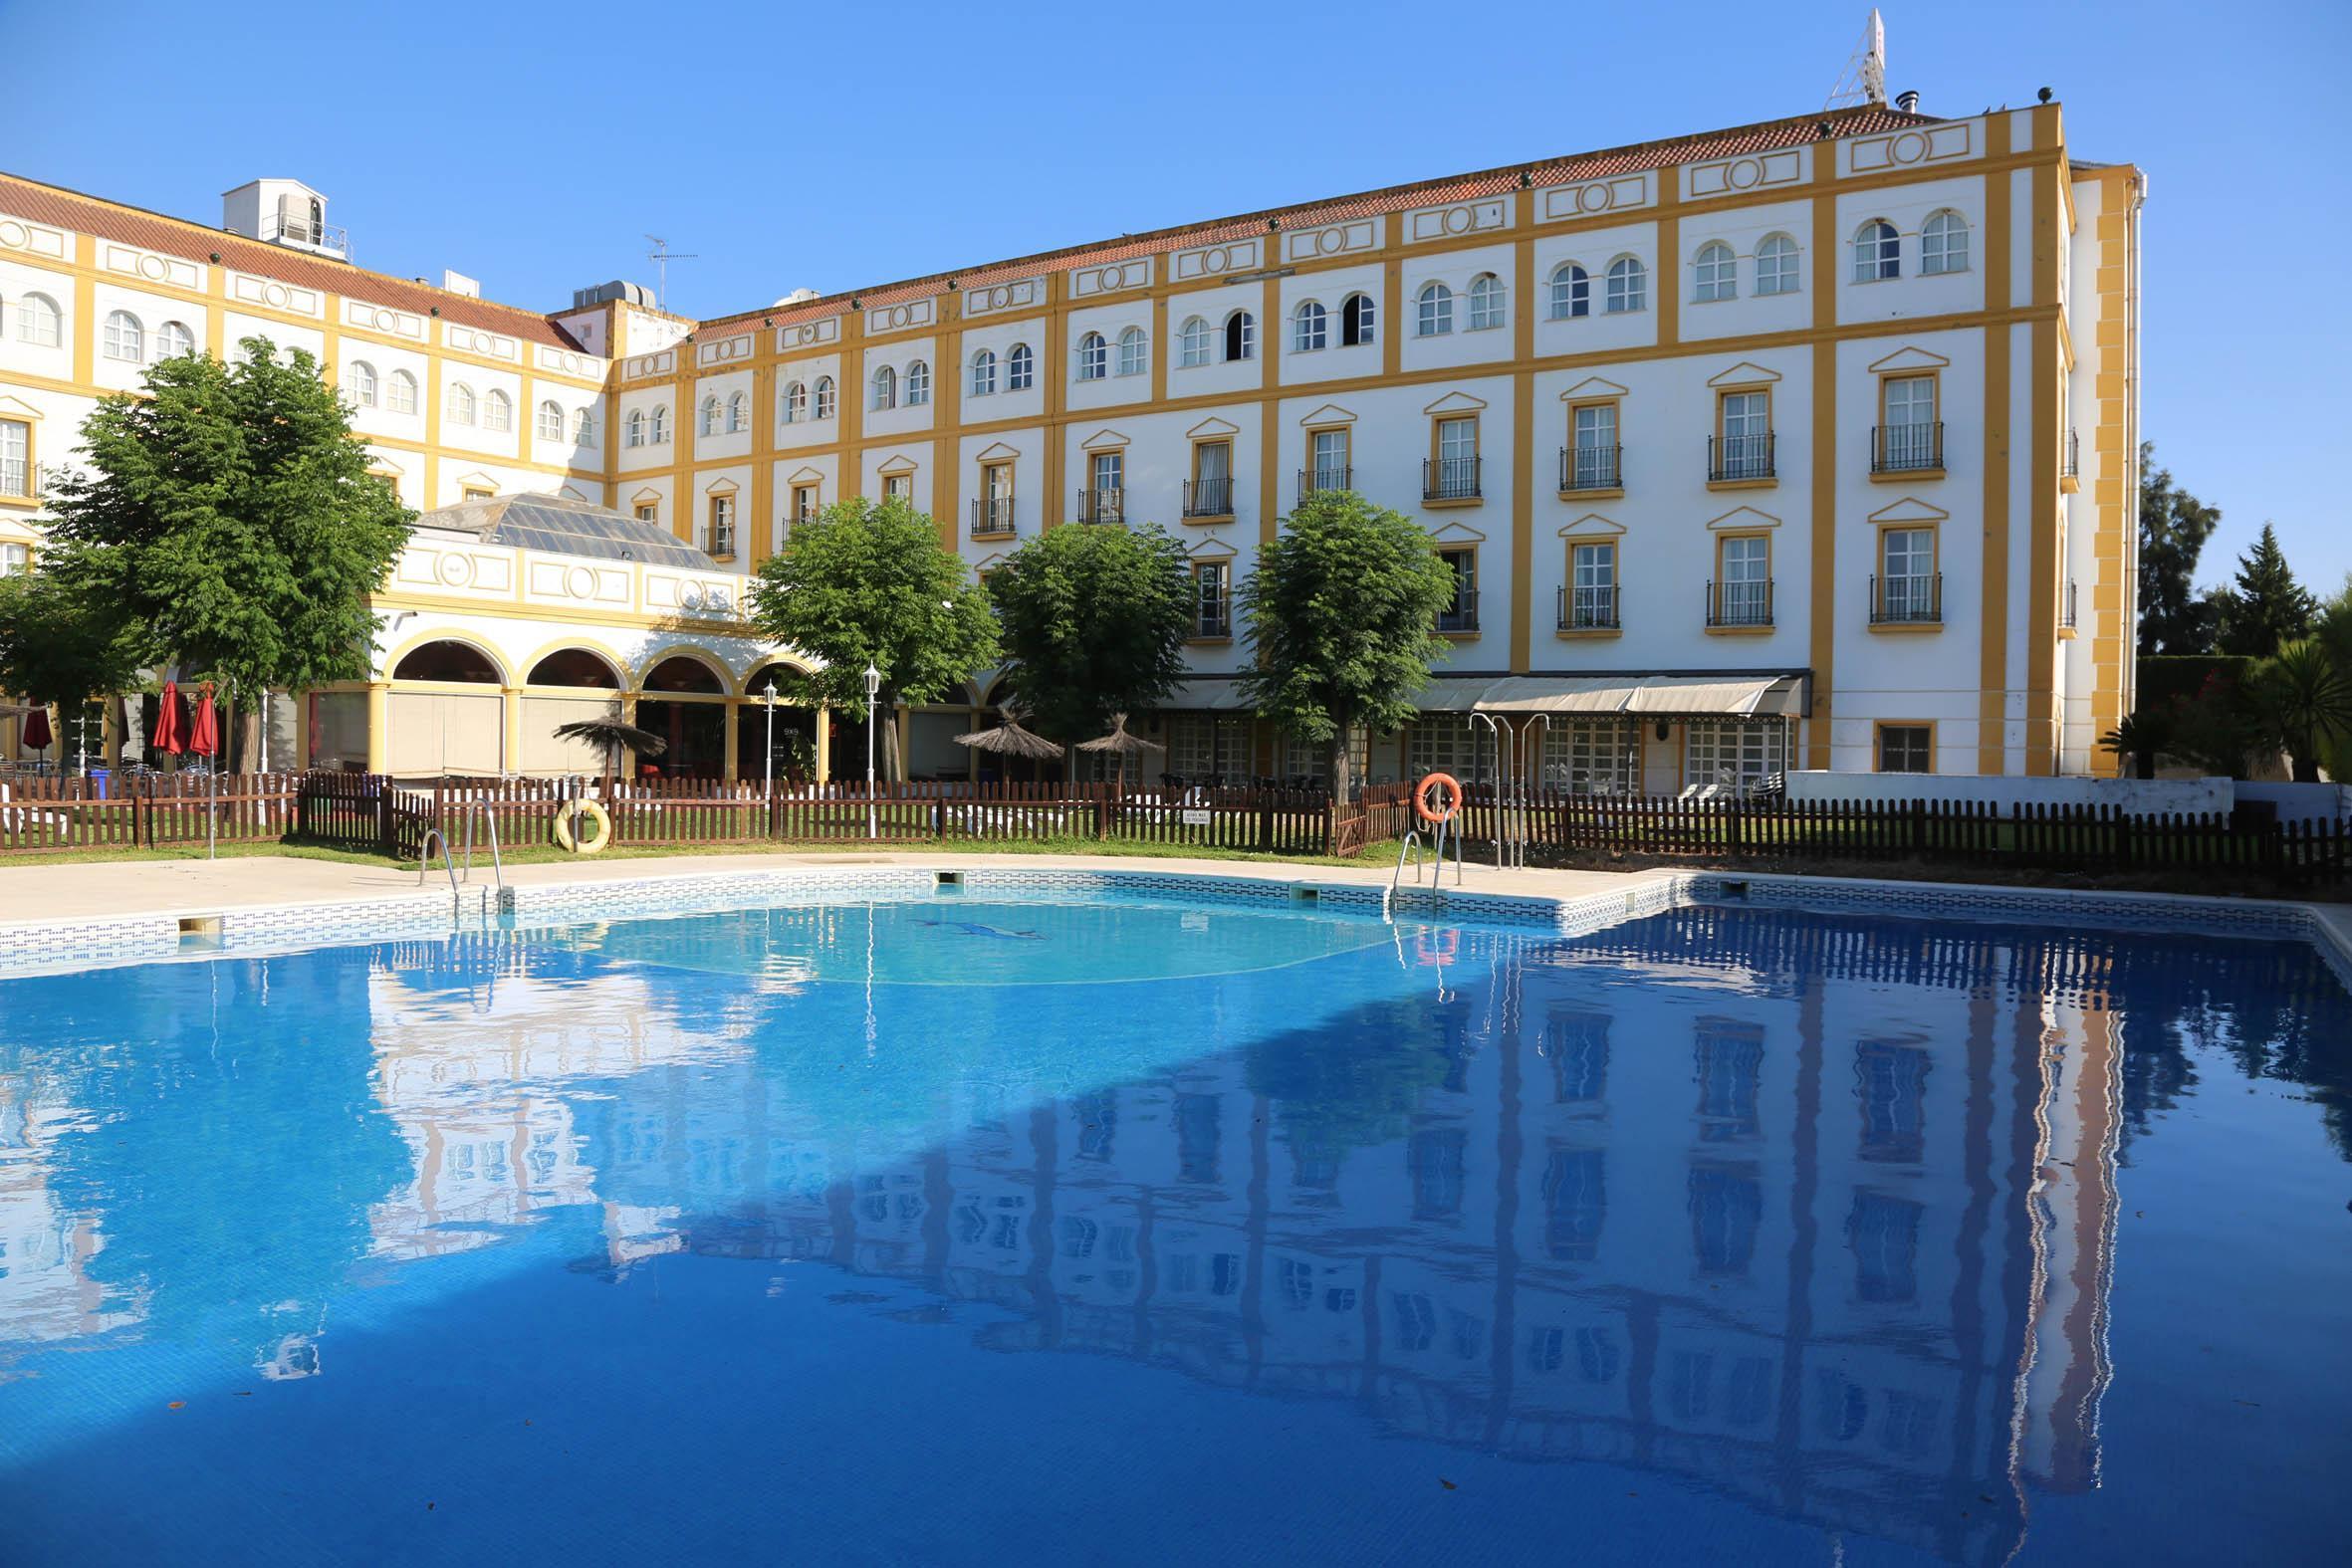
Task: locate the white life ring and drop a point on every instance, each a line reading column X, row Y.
column 599, row 831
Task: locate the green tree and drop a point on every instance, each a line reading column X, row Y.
column 2335, row 634
column 2305, row 703
column 2267, row 609
column 2174, row 529
column 227, row 521
column 870, row 583
column 1094, row 619
column 57, row 645
column 1342, row 611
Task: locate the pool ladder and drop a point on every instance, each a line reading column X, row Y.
column 1411, row 845
column 434, row 835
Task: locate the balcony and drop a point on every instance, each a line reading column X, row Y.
column 284, row 228
column 2070, row 463
column 1311, row 480
column 1592, row 470
column 1213, row 620
column 1587, row 609
column 1208, row 500
column 1911, row 600
column 1742, row 459
column 1450, row 481
column 2067, row 608
column 1461, row 619
column 1102, row 506
column 992, row 517
column 1739, row 606
column 718, row 541
column 1912, row 451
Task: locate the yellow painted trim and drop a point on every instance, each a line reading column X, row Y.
column 1992, row 575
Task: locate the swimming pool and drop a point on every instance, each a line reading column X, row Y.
column 963, row 1229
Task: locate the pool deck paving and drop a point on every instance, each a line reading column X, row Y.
column 34, row 894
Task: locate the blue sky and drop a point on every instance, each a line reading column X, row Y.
column 839, row 145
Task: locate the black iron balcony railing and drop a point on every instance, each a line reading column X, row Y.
column 1102, row 506
column 1450, row 478
column 2070, row 465
column 1208, row 498
column 718, row 541
column 1591, row 468
column 1913, row 599
column 1741, row 457
column 1747, row 603
column 1462, row 614
column 1311, row 480
column 1214, row 619
column 1589, row 608
column 992, row 516
column 1906, row 449
column 2066, row 607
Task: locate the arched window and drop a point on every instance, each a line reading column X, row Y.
column 1093, row 358
column 660, row 434
column 796, row 404
column 1485, row 303
column 708, row 424
column 1132, row 359
column 1357, row 316
column 447, row 661
column 919, row 383
column 632, row 429
column 497, row 411
column 37, row 321
column 173, row 338
column 1776, row 265
column 1571, row 292
column 1944, row 243
column 1311, row 326
column 1433, row 311
column 1241, row 336
column 583, row 427
column 461, row 404
column 1629, row 287
column 401, row 393
column 123, row 339
column 1878, row 252
column 358, row 383
column 1191, row 342
column 1021, row 369
column 885, row 388
column 739, row 413
column 824, row 398
column 1718, row 272
column 984, row 373
column 551, row 421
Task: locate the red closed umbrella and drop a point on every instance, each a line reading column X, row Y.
column 36, row 734
column 166, row 735
column 204, row 728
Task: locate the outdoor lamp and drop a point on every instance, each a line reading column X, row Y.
column 874, row 682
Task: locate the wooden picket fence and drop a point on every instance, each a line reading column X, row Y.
column 50, row 814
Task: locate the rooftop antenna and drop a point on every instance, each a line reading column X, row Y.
column 662, row 256
column 1865, row 78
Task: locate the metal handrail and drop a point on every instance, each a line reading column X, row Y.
column 424, row 860
column 497, row 861
column 1410, row 843
column 1502, row 781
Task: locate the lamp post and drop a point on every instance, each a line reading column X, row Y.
column 873, row 687
column 768, row 772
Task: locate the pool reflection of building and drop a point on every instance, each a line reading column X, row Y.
column 46, row 1289
column 1816, row 1243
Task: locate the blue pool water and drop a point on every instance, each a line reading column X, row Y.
column 962, row 1232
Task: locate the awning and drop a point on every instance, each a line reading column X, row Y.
column 1593, row 696
column 1598, row 694
column 1210, row 695
column 1453, row 693
column 1702, row 695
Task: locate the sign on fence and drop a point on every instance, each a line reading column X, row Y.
column 1197, row 817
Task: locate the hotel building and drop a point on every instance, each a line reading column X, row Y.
column 1803, row 444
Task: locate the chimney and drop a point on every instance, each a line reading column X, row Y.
column 1908, row 102
column 459, row 283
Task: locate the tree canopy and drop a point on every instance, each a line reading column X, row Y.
column 1342, row 614
column 2267, row 609
column 868, row 581
column 2174, row 529
column 1094, row 620
column 58, row 644
column 226, row 521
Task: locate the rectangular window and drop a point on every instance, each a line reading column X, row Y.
column 1907, row 576
column 1592, row 588
column 1202, row 747
column 1462, row 615
column 16, row 457
column 1593, row 462
column 1593, row 757
column 1212, row 600
column 996, row 499
column 1744, row 580
column 648, row 511
column 804, row 502
column 1735, row 755
column 1445, row 742
column 15, row 561
column 1745, row 450
column 1454, row 472
column 1110, row 470
column 722, row 534
column 898, row 487
column 1331, row 466
column 1212, row 480
column 1906, row 749
column 476, row 493
column 1307, row 763
column 1908, row 438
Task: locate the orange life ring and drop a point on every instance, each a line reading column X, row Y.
column 1421, row 798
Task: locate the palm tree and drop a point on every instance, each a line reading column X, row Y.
column 2137, row 739
column 2304, row 702
column 615, row 737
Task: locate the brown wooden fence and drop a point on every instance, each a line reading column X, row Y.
column 45, row 814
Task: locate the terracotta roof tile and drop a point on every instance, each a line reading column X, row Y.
column 67, row 209
column 1797, row 131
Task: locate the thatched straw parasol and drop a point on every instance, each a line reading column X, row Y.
column 1122, row 742
column 615, row 737
column 1010, row 739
